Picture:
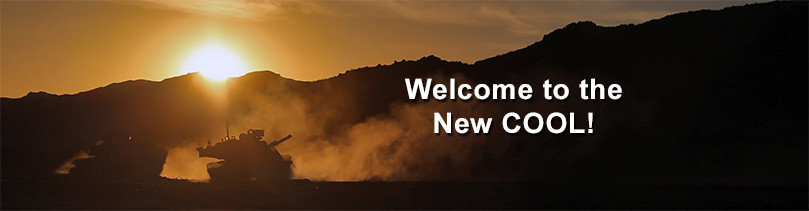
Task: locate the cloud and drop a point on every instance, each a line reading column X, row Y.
column 468, row 13
column 245, row 9
column 532, row 18
column 538, row 17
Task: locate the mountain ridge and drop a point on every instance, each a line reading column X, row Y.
column 571, row 28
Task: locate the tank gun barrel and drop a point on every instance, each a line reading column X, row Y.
column 279, row 141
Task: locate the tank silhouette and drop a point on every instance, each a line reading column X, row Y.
column 114, row 158
column 248, row 158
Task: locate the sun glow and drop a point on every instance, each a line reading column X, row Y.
column 215, row 62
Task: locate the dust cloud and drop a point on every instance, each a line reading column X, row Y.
column 71, row 163
column 337, row 138
column 184, row 163
column 397, row 147
column 332, row 141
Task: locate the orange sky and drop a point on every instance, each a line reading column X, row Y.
column 65, row 47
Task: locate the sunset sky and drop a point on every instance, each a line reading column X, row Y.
column 65, row 47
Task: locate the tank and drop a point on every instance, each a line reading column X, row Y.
column 248, row 158
column 114, row 158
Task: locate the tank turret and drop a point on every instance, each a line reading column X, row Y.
column 248, row 158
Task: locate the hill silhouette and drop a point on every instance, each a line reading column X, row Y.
column 710, row 97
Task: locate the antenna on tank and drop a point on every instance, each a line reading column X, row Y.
column 227, row 130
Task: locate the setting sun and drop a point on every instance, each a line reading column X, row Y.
column 215, row 62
